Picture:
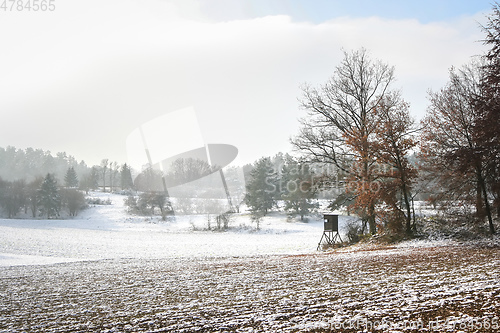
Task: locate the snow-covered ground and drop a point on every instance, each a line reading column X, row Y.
column 434, row 289
column 108, row 232
column 106, row 271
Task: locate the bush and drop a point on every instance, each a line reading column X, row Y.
column 131, row 203
column 74, row 200
column 98, row 201
column 223, row 221
column 354, row 229
column 149, row 203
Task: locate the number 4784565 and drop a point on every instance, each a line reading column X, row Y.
column 27, row 5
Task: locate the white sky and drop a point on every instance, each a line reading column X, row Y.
column 80, row 79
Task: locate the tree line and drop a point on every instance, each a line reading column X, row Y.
column 36, row 183
column 23, row 171
column 30, row 164
column 40, row 197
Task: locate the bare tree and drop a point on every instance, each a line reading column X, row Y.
column 185, row 170
column 449, row 144
column 104, row 170
column 33, row 199
column 487, row 128
column 395, row 136
column 340, row 122
column 149, row 180
column 113, row 171
column 12, row 196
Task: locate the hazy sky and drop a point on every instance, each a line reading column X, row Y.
column 81, row 78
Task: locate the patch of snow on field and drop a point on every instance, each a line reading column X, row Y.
column 9, row 259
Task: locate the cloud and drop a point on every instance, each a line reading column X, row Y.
column 104, row 72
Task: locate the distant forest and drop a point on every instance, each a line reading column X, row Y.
column 35, row 183
column 28, row 164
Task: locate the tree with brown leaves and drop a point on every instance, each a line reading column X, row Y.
column 340, row 124
column 395, row 139
column 487, row 127
column 450, row 146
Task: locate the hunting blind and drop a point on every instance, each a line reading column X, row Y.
column 330, row 230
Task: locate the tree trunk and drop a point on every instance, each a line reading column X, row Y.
column 406, row 199
column 497, row 203
column 487, row 205
column 482, row 185
column 371, row 219
column 480, row 213
column 414, row 215
column 408, row 210
column 363, row 224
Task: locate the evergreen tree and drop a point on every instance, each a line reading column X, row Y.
column 126, row 181
column 71, row 179
column 298, row 190
column 262, row 187
column 50, row 200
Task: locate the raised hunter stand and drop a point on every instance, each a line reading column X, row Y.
column 331, row 230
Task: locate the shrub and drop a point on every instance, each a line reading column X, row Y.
column 74, row 200
column 98, row 201
column 354, row 229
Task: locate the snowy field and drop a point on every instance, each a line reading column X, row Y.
column 108, row 232
column 105, row 271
